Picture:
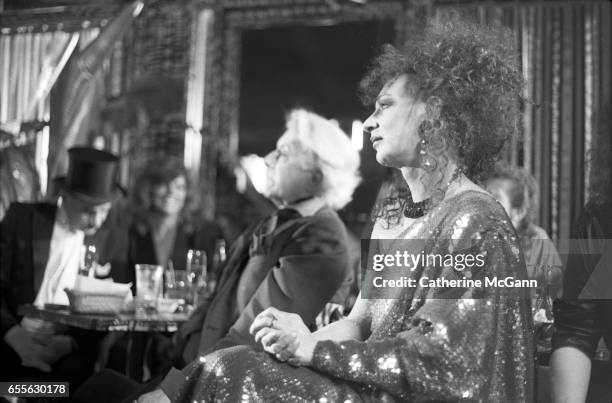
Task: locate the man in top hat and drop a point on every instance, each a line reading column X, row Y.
column 40, row 253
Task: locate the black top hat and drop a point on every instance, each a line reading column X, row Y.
column 91, row 175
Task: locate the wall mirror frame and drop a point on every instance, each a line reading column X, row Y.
column 231, row 18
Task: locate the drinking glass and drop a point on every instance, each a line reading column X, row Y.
column 148, row 288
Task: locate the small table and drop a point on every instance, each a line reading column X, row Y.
column 122, row 322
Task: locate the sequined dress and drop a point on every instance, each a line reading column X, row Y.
column 474, row 344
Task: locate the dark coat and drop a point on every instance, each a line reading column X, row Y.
column 295, row 266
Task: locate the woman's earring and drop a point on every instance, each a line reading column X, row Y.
column 428, row 162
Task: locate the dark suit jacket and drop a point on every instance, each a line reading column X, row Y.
column 25, row 239
column 296, row 266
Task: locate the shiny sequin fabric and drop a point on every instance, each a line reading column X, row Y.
column 424, row 346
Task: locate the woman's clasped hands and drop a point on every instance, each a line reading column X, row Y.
column 284, row 335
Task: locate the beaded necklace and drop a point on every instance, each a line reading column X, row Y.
column 418, row 209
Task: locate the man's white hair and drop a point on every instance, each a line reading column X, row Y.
column 336, row 157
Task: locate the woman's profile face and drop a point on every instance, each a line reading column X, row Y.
column 393, row 127
column 290, row 172
column 169, row 198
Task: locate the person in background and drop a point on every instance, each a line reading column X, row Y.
column 517, row 191
column 583, row 316
column 166, row 223
column 40, row 248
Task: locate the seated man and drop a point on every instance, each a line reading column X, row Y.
column 40, row 253
column 294, row 260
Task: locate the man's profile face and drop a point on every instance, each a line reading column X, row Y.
column 290, row 172
column 85, row 216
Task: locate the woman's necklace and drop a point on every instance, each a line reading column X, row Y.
column 418, row 209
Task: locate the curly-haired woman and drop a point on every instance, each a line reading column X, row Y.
column 443, row 110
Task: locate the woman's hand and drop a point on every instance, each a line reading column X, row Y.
column 284, row 335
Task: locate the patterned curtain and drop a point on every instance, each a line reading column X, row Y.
column 29, row 65
column 565, row 55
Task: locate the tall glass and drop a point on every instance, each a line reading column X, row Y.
column 148, row 288
column 196, row 267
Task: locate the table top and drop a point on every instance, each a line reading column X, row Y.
column 123, row 322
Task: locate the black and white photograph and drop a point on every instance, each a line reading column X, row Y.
column 305, row 201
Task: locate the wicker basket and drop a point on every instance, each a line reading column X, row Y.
column 87, row 302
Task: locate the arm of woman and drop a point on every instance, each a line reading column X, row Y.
column 354, row 327
column 570, row 374
column 574, row 343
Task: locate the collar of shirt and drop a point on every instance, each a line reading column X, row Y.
column 307, row 207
